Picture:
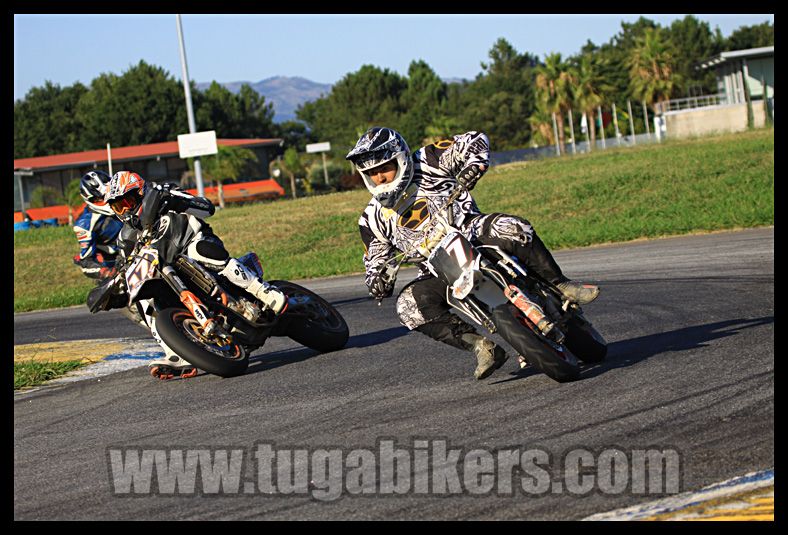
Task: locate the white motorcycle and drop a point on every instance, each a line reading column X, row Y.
column 494, row 290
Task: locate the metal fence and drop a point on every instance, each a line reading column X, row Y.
column 538, row 153
column 689, row 103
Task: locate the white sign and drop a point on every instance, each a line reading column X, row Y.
column 199, row 144
column 319, row 147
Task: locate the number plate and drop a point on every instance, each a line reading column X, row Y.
column 141, row 270
column 450, row 258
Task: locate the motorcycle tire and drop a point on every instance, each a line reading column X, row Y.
column 584, row 341
column 177, row 326
column 554, row 360
column 326, row 331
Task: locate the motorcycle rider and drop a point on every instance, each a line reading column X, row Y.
column 406, row 189
column 96, row 228
column 176, row 220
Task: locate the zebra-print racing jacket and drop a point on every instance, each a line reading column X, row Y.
column 386, row 231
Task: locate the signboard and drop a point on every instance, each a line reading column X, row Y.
column 198, row 144
column 319, row 147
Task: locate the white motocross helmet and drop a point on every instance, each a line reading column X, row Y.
column 92, row 189
column 377, row 146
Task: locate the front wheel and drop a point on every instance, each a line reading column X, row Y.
column 320, row 326
column 183, row 334
column 552, row 359
column 584, row 340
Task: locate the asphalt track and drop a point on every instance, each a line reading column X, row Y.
column 690, row 326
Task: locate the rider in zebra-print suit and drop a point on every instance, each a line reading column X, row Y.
column 406, row 189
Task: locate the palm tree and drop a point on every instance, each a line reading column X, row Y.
column 73, row 198
column 227, row 164
column 541, row 122
column 589, row 89
column 652, row 75
column 554, row 90
column 290, row 164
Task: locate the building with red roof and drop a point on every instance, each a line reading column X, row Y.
column 159, row 162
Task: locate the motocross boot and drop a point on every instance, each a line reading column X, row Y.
column 240, row 275
column 578, row 292
column 452, row 330
column 539, row 258
column 489, row 355
column 171, row 366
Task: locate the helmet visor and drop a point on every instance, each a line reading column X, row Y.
column 125, row 204
column 373, row 159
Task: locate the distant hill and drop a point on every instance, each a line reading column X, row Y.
column 288, row 92
column 285, row 92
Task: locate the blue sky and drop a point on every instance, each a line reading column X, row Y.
column 323, row 48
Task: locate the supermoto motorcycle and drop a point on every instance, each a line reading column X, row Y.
column 494, row 290
column 209, row 321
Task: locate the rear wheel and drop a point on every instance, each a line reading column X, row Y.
column 183, row 334
column 322, row 327
column 552, row 359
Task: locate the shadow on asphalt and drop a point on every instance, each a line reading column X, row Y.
column 376, row 338
column 268, row 361
column 629, row 352
column 340, row 302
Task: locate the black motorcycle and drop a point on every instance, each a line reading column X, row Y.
column 494, row 290
column 210, row 322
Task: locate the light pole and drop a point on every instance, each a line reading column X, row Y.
column 189, row 109
column 19, row 174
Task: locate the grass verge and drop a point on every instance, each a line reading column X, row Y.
column 33, row 373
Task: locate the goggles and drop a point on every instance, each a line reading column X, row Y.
column 374, row 159
column 124, row 204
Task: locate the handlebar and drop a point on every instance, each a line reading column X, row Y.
column 391, row 267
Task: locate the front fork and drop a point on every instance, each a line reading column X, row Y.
column 191, row 302
column 525, row 304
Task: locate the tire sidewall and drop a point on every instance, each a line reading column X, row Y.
column 194, row 353
column 311, row 334
column 533, row 347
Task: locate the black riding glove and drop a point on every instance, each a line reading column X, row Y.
column 380, row 288
column 470, row 175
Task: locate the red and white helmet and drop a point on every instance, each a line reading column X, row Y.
column 124, row 196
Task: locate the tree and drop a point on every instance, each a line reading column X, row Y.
column 226, row 165
column 369, row 97
column 256, row 115
column 590, row 89
column 554, row 86
column 754, row 36
column 541, row 123
column 73, row 198
column 502, row 98
column 653, row 77
column 290, row 164
column 45, row 123
column 693, row 42
column 295, row 134
column 43, row 196
column 422, row 100
column 144, row 105
column 218, row 110
column 442, row 127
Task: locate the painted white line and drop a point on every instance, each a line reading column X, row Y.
column 751, row 481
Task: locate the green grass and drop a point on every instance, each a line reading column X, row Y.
column 619, row 194
column 32, row 373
